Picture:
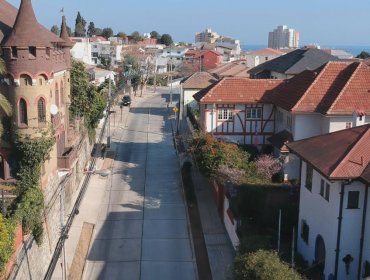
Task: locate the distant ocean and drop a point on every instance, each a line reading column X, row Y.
column 355, row 50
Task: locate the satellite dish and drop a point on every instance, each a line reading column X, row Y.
column 54, row 109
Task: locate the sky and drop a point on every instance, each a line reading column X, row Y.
column 326, row 22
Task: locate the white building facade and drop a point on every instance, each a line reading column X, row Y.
column 334, row 224
column 283, row 37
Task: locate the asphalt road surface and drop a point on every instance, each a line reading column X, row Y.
column 142, row 227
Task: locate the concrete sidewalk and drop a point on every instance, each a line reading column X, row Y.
column 219, row 247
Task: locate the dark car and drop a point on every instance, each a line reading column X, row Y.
column 126, row 100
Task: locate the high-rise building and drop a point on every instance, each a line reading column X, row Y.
column 283, row 37
column 207, row 36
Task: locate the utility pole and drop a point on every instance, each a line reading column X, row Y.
column 109, row 103
column 155, row 74
column 171, row 79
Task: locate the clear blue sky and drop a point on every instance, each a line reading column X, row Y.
column 327, row 22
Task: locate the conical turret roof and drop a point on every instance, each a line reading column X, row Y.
column 64, row 34
column 27, row 31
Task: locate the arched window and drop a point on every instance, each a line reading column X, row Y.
column 57, row 95
column 26, row 80
column 61, row 92
column 23, row 112
column 41, row 111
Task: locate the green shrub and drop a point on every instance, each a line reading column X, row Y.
column 7, row 228
column 263, row 265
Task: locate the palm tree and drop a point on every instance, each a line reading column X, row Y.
column 4, row 103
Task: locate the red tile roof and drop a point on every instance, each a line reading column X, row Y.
column 267, row 51
column 343, row 154
column 231, row 69
column 238, row 90
column 198, row 80
column 335, row 88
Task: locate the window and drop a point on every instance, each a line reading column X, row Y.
column 327, row 191
column 254, row 113
column 48, row 51
column 309, row 174
column 225, row 114
column 32, row 52
column 57, row 95
column 324, row 189
column 348, row 124
column 353, row 199
column 23, row 112
column 41, row 110
column 61, row 93
column 26, row 80
column 14, row 52
column 305, row 231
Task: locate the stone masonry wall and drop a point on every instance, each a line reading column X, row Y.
column 32, row 260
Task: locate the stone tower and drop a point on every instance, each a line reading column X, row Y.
column 38, row 78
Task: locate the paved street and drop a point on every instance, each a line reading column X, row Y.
column 142, row 231
column 141, row 226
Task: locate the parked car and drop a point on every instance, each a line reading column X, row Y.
column 126, row 100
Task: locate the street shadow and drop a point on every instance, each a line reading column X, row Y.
column 143, row 185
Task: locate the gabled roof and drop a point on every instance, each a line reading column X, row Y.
column 295, row 62
column 231, row 69
column 335, row 88
column 198, row 80
column 238, row 90
column 342, row 154
column 26, row 31
column 267, row 51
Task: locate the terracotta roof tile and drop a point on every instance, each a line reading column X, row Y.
column 238, row 90
column 335, row 88
column 198, row 80
column 343, row 154
column 267, row 51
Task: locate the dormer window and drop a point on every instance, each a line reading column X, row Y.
column 32, row 52
column 14, row 52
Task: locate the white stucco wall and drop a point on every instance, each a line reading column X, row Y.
column 306, row 125
column 230, row 225
column 322, row 218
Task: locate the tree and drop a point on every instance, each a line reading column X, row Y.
column 86, row 101
column 136, row 36
column 166, row 39
column 91, row 29
column 267, row 166
column 107, row 33
column 363, row 55
column 80, row 26
column 155, row 35
column 55, row 30
column 122, row 35
column 98, row 31
column 263, row 265
column 79, row 87
column 4, row 103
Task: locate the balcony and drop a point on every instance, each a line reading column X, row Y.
column 67, row 159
